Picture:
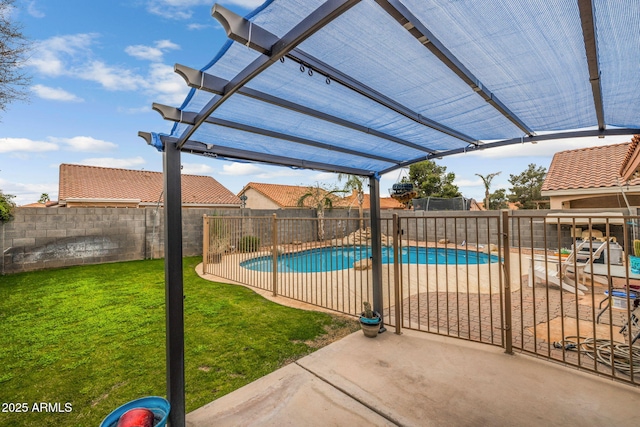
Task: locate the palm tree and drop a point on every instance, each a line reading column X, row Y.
column 319, row 198
column 355, row 183
column 44, row 198
column 487, row 183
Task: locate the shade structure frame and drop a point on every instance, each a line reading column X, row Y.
column 204, row 81
column 448, row 119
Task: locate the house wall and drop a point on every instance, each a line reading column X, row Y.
column 256, row 200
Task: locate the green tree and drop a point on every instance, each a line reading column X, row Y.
column 13, row 51
column 486, row 180
column 527, row 186
column 319, row 198
column 498, row 199
column 355, row 183
column 6, row 207
column 429, row 179
column 44, row 198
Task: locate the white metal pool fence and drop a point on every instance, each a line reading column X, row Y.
column 533, row 296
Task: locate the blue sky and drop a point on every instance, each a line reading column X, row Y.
column 97, row 66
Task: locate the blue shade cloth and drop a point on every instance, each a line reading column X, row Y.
column 529, row 55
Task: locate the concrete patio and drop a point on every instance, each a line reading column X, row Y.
column 419, row 379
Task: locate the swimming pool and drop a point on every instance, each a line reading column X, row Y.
column 343, row 257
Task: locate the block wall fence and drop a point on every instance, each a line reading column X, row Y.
column 43, row 238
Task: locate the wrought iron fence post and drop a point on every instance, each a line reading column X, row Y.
column 506, row 265
column 396, row 272
column 205, row 243
column 274, row 253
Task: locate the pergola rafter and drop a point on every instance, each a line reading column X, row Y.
column 591, row 49
column 204, row 81
column 176, row 115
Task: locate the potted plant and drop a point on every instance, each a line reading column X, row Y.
column 634, row 260
column 564, row 252
column 370, row 321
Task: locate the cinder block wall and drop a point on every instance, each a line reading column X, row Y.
column 40, row 238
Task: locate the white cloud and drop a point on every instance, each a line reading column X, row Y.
column 469, row 182
column 195, row 26
column 136, row 110
column 166, row 86
column 111, row 162
column 151, row 53
column 33, row 10
column 240, row 169
column 29, row 193
column 59, row 55
column 182, row 9
column 112, row 78
column 55, row 94
column 71, row 56
column 325, row 176
column 281, row 173
column 196, row 169
column 85, row 144
column 12, row 145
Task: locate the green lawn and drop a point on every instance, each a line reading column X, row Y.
column 93, row 337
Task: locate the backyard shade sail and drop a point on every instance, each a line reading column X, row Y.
column 366, row 87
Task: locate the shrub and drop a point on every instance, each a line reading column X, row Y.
column 249, row 244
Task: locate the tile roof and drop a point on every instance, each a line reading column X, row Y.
column 631, row 161
column 92, row 182
column 385, row 202
column 287, row 196
column 593, row 167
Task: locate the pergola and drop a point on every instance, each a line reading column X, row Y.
column 367, row 87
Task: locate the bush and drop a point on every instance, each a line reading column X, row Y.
column 6, row 207
column 249, row 244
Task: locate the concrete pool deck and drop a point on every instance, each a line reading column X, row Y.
column 418, row 379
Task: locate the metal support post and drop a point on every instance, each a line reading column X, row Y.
column 205, row 242
column 174, row 295
column 274, row 253
column 396, row 273
column 508, row 336
column 376, row 248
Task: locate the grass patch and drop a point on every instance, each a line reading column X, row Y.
column 94, row 337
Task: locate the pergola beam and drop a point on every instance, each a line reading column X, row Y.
column 213, row 84
column 522, row 140
column 417, row 29
column 242, row 36
column 176, row 115
column 591, row 49
column 222, row 152
column 320, row 17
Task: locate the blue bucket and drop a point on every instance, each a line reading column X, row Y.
column 158, row 405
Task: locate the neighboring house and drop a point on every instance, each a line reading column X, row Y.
column 92, row 186
column 40, row 205
column 595, row 177
column 276, row 196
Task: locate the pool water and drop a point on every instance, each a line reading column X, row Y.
column 343, row 257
